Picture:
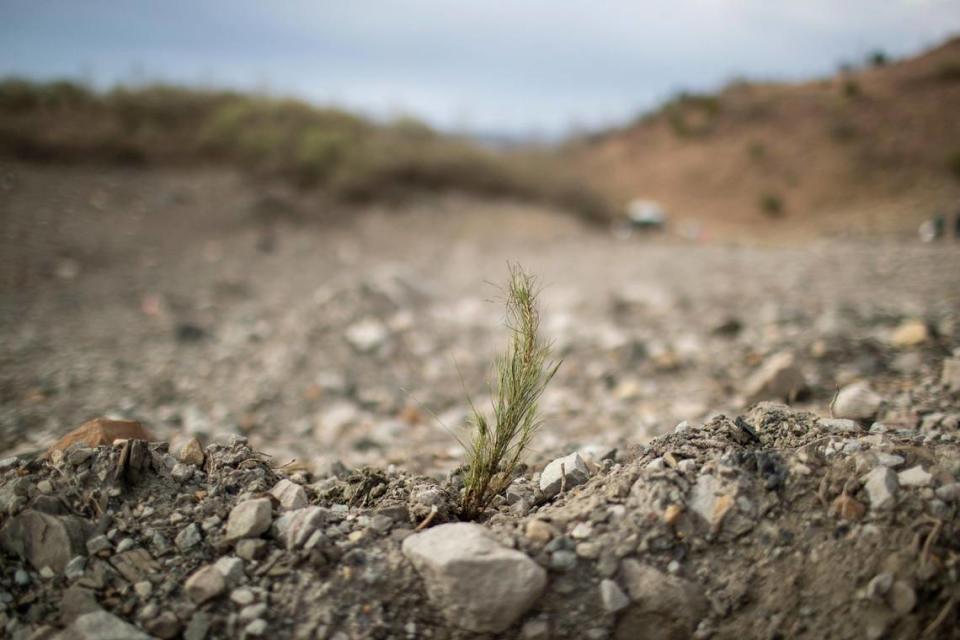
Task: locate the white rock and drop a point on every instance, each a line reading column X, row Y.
column 612, row 596
column 290, row 494
column 366, row 335
column 881, row 485
column 857, row 401
column 568, row 472
column 915, row 477
column 477, row 583
column 249, row 519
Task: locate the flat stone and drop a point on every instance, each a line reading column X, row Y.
column 44, row 540
column 296, row 527
column 192, row 453
column 250, row 519
column 612, row 596
column 857, row 401
column 882, row 486
column 840, row 425
column 100, row 625
column 914, row 477
column 664, row 606
column 778, row 378
column 205, row 584
column 476, row 582
column 566, row 472
column 289, row 494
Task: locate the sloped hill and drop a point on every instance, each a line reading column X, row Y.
column 873, row 150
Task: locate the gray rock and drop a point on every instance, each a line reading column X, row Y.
column 165, row 625
column 75, row 602
column 881, row 485
column 231, row 569
column 857, row 401
column 181, row 472
column 879, row 585
column 97, row 544
column 44, row 540
column 289, row 494
column 242, row 597
column 251, row 548
column 205, row 584
column 296, row 527
column 568, row 472
column 949, row 492
column 188, row 538
column 664, row 606
column 366, row 335
column 477, row 583
column 100, row 625
column 612, row 596
column 778, row 378
column 250, row 519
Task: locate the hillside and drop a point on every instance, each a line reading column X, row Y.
column 875, row 150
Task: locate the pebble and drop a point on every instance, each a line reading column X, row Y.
column 839, row 425
column 778, row 378
column 231, row 568
column 289, row 494
column 857, row 401
column 949, row 492
column 563, row 560
column 21, row 577
column 204, row 584
column 143, row 588
column 192, row 453
column 902, row 598
column 165, row 626
column 256, row 628
column 950, row 377
column 251, row 548
column 881, row 485
column 249, row 519
column 44, row 540
column 188, row 538
column 915, row 477
column 568, row 471
column 181, row 472
column 612, row 596
column 454, row 558
column 242, row 597
column 125, row 545
column 540, row 531
column 909, row 333
column 253, row 611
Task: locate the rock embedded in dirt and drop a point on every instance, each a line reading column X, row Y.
column 289, row 494
column 205, row 584
column 664, row 607
column 882, row 486
column 778, row 378
column 44, row 540
column 477, row 583
column 99, row 432
column 857, row 401
column 563, row 473
column 296, row 528
column 249, row 519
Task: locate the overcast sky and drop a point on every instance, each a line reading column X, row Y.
column 519, row 67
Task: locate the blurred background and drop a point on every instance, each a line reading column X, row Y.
column 283, row 220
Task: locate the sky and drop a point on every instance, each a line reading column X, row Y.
column 520, row 68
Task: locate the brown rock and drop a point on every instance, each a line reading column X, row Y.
column 101, row 431
column 846, row 508
column 192, row 453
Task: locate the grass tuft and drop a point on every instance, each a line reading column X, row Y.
column 523, row 372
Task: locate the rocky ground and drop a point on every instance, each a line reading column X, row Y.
column 322, row 366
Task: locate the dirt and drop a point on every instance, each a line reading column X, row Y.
column 339, row 346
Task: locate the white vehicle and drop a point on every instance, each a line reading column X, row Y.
column 646, row 214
